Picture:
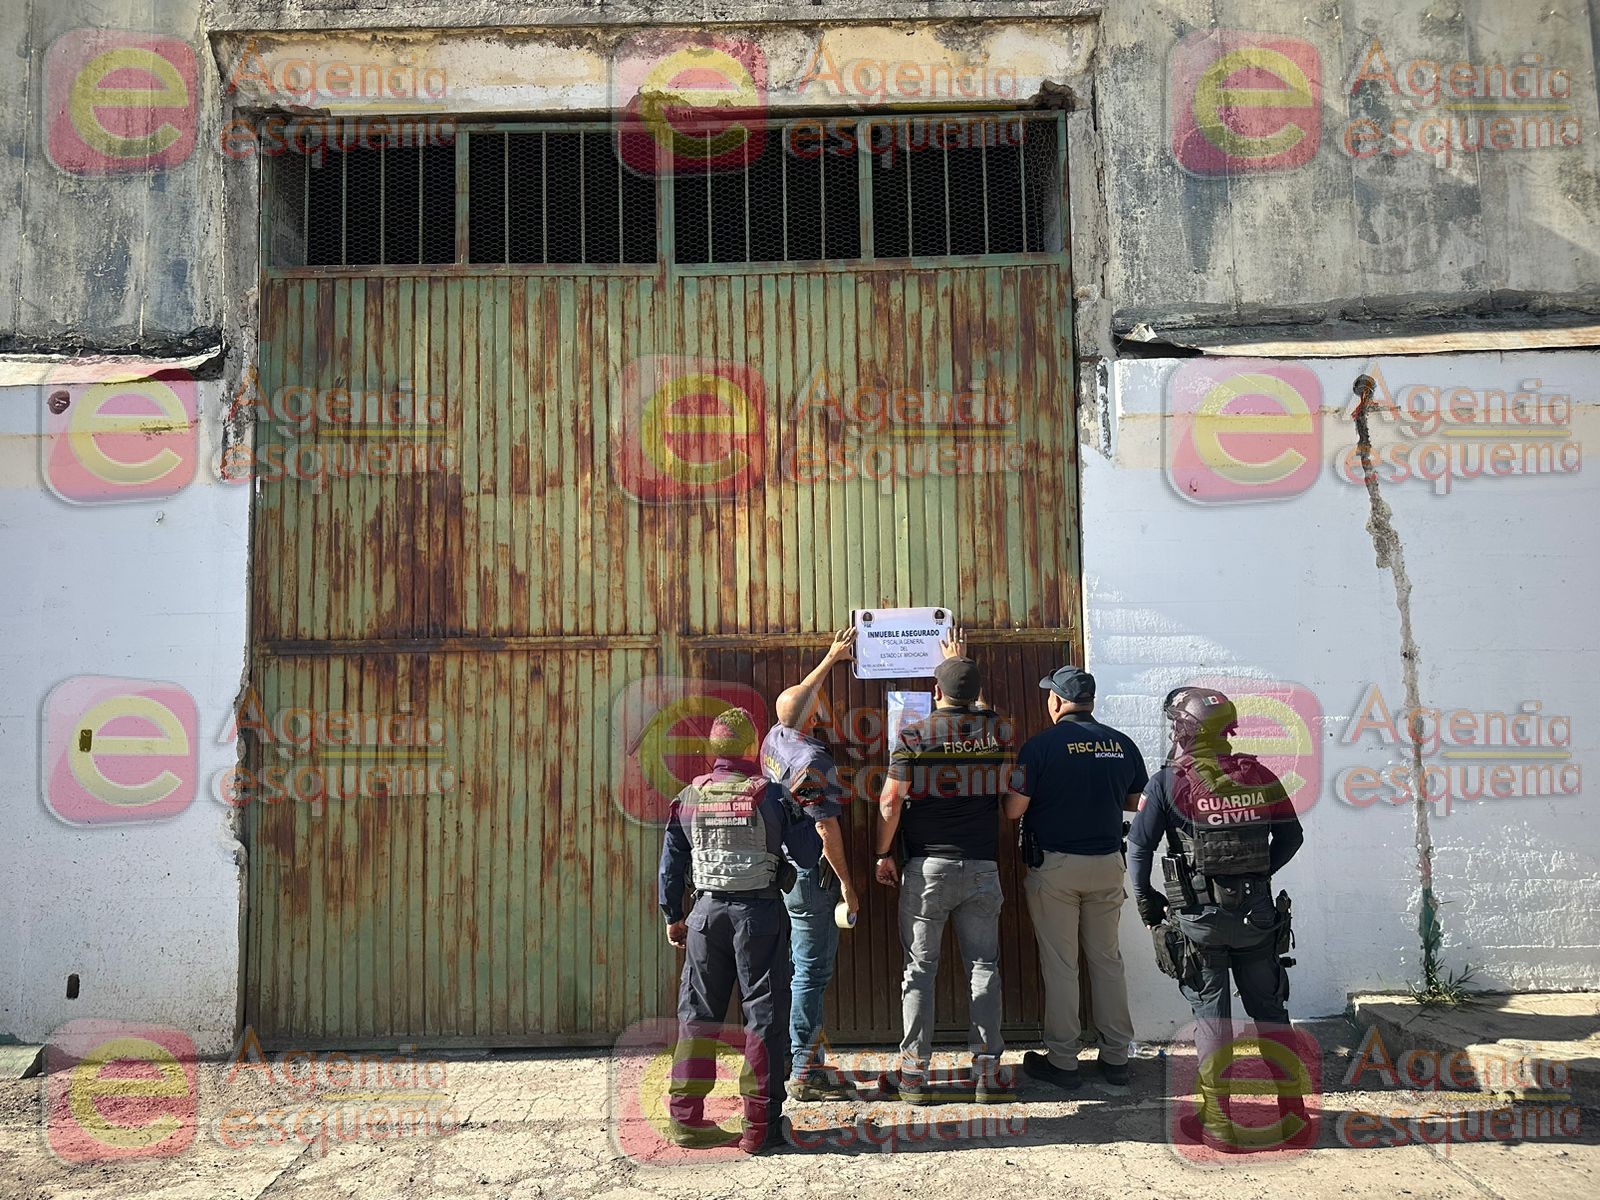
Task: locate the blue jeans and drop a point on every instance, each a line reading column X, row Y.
column 934, row 891
column 814, row 943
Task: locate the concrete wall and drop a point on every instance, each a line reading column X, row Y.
column 145, row 911
column 1192, row 570
column 113, row 236
column 1293, row 183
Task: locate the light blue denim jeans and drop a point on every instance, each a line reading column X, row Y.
column 814, row 944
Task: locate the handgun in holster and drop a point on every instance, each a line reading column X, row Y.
column 1285, row 928
column 1028, row 847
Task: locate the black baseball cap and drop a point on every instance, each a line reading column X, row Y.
column 1072, row 684
column 958, row 679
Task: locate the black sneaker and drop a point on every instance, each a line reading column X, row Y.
column 1039, row 1066
column 992, row 1082
column 912, row 1089
column 1116, row 1074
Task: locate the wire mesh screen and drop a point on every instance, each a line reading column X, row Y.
column 805, row 190
column 557, row 197
column 345, row 194
column 794, row 194
column 965, row 185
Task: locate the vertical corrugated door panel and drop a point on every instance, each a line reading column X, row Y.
column 507, row 893
column 524, row 533
column 795, row 554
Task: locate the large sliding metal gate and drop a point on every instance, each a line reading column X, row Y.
column 518, row 513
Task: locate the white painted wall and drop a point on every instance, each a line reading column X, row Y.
column 146, row 914
column 1505, row 571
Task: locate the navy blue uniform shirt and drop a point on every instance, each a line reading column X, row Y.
column 1077, row 775
column 1157, row 814
column 789, row 831
column 803, row 766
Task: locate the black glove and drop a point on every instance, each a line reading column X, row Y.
column 1152, row 908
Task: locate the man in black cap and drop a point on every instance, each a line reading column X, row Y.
column 1072, row 784
column 739, row 836
column 946, row 778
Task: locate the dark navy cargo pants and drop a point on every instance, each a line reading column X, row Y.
column 744, row 942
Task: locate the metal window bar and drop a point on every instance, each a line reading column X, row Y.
column 505, row 196
column 583, row 203
column 544, row 196
column 305, row 212
column 983, row 165
column 783, row 189
column 949, row 217
column 383, row 202
column 1022, row 175
column 344, row 208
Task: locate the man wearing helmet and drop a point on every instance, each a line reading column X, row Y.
column 1229, row 825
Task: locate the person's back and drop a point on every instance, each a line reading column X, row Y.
column 946, row 777
column 1079, row 773
column 954, row 762
column 1073, row 783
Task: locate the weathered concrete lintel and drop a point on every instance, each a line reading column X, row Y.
column 1564, row 328
column 228, row 16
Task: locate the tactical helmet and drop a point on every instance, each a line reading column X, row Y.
column 1199, row 715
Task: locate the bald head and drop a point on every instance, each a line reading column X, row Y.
column 796, row 707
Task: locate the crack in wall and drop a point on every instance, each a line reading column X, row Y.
column 1391, row 557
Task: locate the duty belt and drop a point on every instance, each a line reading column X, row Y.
column 766, row 893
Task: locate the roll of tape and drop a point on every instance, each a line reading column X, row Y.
column 843, row 917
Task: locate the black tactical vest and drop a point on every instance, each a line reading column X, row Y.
column 1228, row 800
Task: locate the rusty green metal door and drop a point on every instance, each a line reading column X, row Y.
column 498, row 586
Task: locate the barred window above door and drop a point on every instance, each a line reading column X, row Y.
column 812, row 189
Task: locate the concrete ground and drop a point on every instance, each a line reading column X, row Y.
column 569, row 1124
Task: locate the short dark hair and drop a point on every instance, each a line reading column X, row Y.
column 733, row 734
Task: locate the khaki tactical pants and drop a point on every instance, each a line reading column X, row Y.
column 1075, row 901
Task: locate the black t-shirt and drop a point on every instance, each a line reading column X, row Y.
column 1076, row 775
column 956, row 761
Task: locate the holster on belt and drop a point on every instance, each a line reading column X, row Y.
column 1180, row 880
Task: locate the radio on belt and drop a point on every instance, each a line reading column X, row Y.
column 899, row 643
